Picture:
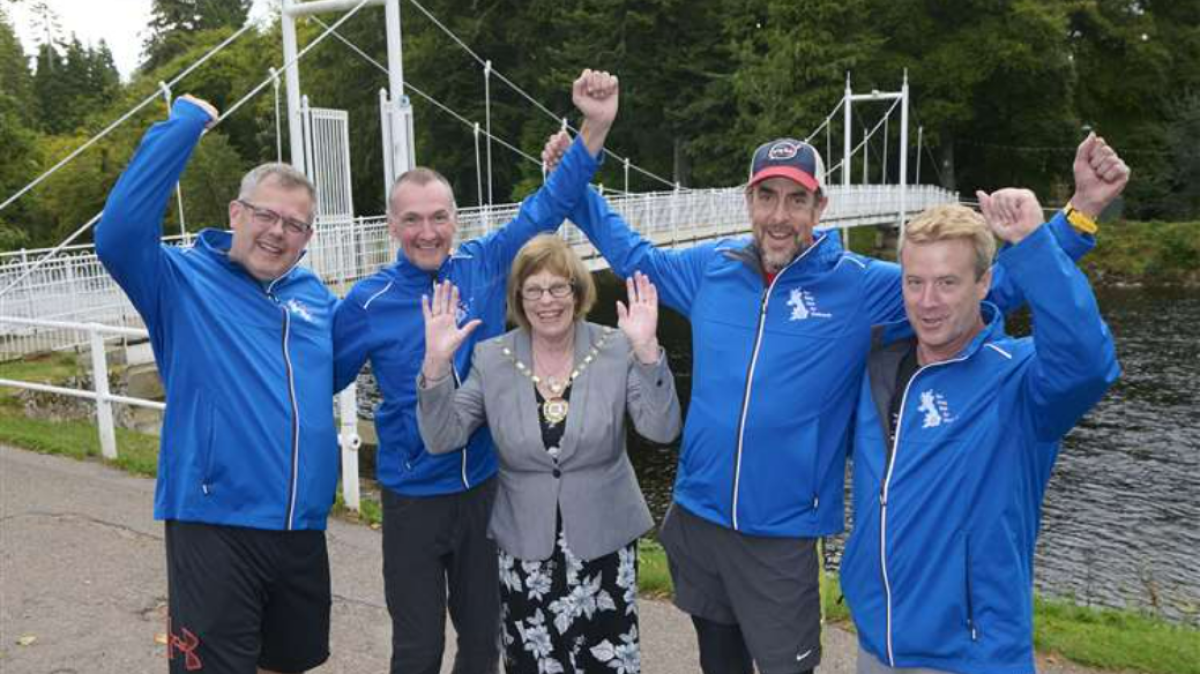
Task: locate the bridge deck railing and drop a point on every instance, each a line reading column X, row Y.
column 74, row 287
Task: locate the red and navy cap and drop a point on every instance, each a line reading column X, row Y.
column 788, row 158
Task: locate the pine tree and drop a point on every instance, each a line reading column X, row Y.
column 172, row 22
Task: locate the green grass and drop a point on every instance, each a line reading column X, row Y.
column 370, row 512
column 1121, row 640
column 654, row 578
column 136, row 452
column 1146, row 251
column 48, row 368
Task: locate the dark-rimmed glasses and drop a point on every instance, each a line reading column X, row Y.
column 267, row 218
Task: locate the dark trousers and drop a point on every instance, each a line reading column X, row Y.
column 437, row 556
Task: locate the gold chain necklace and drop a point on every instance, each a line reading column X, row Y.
column 556, row 407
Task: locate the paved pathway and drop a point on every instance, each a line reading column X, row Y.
column 82, row 575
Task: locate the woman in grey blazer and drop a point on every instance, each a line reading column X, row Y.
column 554, row 393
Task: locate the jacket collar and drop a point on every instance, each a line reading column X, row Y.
column 822, row 255
column 407, row 273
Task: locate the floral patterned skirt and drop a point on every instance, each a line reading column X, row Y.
column 566, row 616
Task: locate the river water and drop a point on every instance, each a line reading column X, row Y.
column 1121, row 519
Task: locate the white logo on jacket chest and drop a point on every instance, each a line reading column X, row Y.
column 804, row 306
column 298, row 309
column 935, row 408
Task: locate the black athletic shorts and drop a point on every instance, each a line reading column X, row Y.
column 240, row 599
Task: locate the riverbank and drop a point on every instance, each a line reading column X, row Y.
column 1126, row 253
column 1105, row 639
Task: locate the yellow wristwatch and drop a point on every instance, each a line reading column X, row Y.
column 1079, row 220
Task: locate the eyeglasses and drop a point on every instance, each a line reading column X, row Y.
column 265, row 217
column 557, row 290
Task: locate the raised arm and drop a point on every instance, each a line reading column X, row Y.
column 1075, row 360
column 650, row 394
column 596, row 95
column 1100, row 176
column 446, row 417
column 677, row 274
column 129, row 233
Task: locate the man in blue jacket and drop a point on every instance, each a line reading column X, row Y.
column 957, row 430
column 436, row 552
column 781, row 326
column 248, row 462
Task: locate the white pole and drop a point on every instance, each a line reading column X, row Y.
column 846, row 140
column 104, row 414
column 385, row 127
column 349, row 441
column 904, row 152
column 287, row 22
column 400, row 139
column 920, row 144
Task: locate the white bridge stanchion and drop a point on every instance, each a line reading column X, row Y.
column 349, row 441
column 104, row 413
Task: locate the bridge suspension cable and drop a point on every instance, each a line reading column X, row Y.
column 232, row 109
column 107, row 130
column 487, row 65
column 429, row 98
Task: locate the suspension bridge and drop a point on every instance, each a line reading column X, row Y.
column 61, row 298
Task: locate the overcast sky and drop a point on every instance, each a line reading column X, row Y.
column 120, row 23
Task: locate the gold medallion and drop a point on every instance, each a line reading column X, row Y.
column 555, row 410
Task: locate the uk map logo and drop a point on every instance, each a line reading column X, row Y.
column 804, row 306
column 935, row 408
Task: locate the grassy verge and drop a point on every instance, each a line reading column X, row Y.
column 42, row 368
column 1126, row 252
column 1116, row 640
column 137, row 453
column 1153, row 252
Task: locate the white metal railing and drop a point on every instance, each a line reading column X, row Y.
column 342, row 251
column 347, row 408
column 74, row 287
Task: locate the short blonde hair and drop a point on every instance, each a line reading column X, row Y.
column 952, row 221
column 548, row 252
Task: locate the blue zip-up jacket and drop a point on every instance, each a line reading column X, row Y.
column 939, row 569
column 248, row 438
column 776, row 369
column 381, row 320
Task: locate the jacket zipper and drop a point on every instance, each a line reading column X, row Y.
column 883, row 503
column 737, row 470
column 758, row 338
column 287, row 363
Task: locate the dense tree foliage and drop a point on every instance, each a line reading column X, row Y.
column 1003, row 90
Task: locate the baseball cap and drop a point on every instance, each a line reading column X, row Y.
column 788, row 158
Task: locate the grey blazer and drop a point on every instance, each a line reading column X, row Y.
column 593, row 483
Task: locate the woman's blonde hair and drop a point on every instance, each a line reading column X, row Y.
column 548, row 252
